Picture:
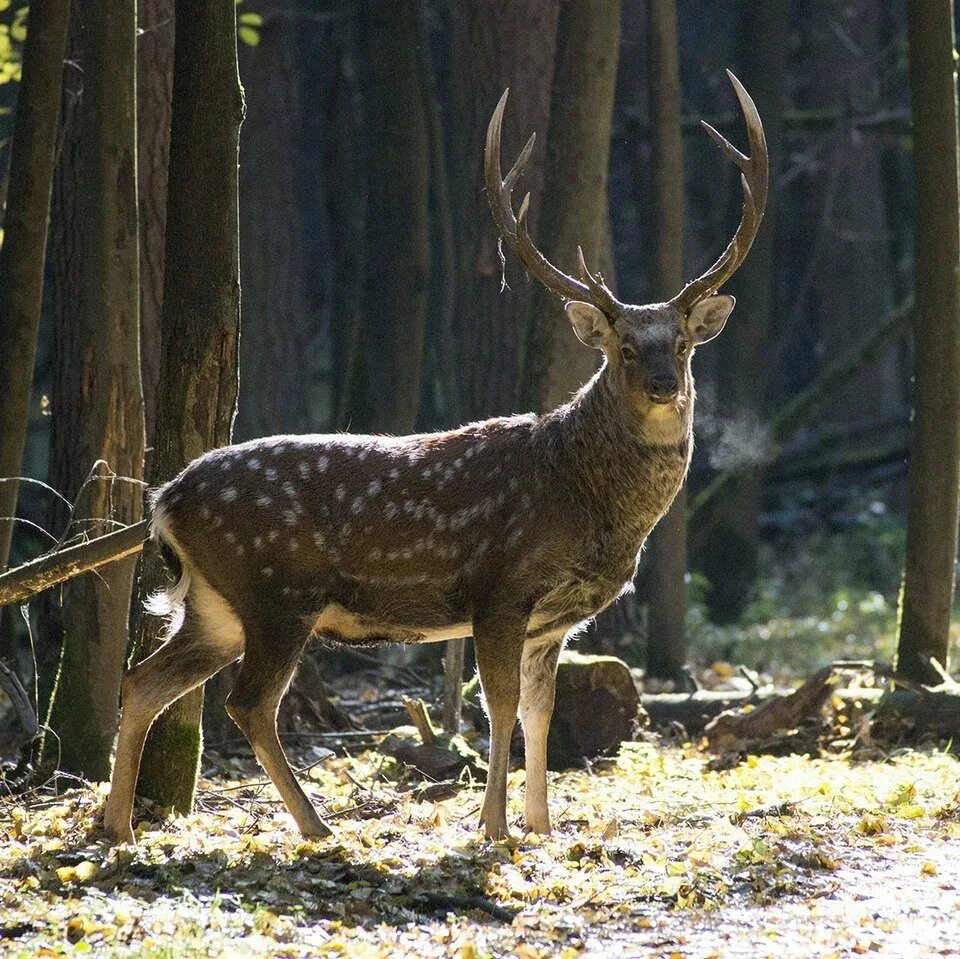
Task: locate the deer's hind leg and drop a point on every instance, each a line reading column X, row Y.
column 271, row 657
column 209, row 638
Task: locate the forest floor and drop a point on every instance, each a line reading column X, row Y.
column 653, row 854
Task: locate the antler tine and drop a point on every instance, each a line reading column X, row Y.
column 602, row 294
column 513, row 229
column 754, row 178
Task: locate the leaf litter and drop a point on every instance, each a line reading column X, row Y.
column 653, row 854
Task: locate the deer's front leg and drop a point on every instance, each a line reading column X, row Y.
column 538, row 684
column 499, row 647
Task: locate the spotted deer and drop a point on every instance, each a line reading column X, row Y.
column 516, row 530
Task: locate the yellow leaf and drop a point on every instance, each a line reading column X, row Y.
column 612, row 829
column 929, row 869
column 468, row 951
column 86, row 871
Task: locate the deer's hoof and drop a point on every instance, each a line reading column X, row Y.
column 317, row 830
column 496, row 831
column 539, row 826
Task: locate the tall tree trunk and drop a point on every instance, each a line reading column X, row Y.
column 105, row 406
column 398, row 248
column 728, row 557
column 574, row 207
column 154, row 86
column 935, row 436
column 196, row 398
column 497, row 44
column 24, row 244
column 276, row 355
column 666, row 638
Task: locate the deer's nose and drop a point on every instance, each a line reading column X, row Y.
column 663, row 387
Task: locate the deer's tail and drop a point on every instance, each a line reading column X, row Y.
column 169, row 601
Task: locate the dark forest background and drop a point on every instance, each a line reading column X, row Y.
column 371, row 300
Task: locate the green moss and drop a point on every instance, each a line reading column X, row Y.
column 171, row 763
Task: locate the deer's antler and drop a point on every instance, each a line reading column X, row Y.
column 754, row 175
column 513, row 228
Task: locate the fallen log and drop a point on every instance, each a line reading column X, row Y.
column 775, row 714
column 52, row 568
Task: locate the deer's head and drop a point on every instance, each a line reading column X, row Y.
column 648, row 347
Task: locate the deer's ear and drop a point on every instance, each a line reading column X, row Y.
column 590, row 324
column 709, row 317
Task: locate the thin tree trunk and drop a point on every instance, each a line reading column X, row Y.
column 196, row 399
column 398, row 248
column 574, row 206
column 935, row 437
column 666, row 637
column 24, row 248
column 106, row 402
column 154, row 87
column 729, row 559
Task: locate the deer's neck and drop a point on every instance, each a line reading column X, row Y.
column 628, row 466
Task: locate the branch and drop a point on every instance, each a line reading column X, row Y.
column 53, row 568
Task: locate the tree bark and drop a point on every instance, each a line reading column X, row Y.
column 495, row 45
column 666, row 636
column 24, row 245
column 574, row 206
column 154, row 87
column 730, row 556
column 932, row 508
column 197, row 393
column 104, row 407
column 276, row 351
column 397, row 248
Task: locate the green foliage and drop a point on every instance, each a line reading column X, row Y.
column 248, row 26
column 13, row 31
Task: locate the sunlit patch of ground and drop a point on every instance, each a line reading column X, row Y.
column 652, row 856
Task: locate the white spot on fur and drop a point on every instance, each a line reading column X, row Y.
column 322, row 463
column 228, row 494
column 258, row 542
column 294, row 545
column 253, row 463
column 263, row 500
column 390, row 510
column 272, row 536
column 230, row 537
column 341, row 492
column 357, row 506
column 374, row 487
column 375, row 554
column 318, row 539
column 270, row 473
column 394, row 474
column 303, row 468
column 290, row 517
column 289, row 488
column 267, row 572
column 205, row 512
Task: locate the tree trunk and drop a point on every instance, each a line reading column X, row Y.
column 276, row 351
column 154, row 85
column 104, row 408
column 729, row 557
column 397, row 249
column 666, row 635
column 495, row 45
column 197, row 394
column 574, row 206
column 24, row 244
column 935, row 436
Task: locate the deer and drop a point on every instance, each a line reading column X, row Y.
column 516, row 530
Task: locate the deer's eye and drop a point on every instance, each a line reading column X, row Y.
column 628, row 353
